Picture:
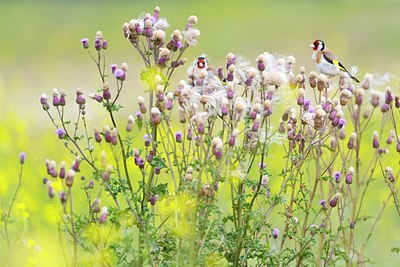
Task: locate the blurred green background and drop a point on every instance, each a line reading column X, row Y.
column 40, row 50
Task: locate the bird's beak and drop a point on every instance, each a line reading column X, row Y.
column 311, row 45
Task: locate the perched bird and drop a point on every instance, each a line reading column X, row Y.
column 201, row 74
column 327, row 62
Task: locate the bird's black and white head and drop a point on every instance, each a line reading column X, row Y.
column 318, row 45
column 201, row 63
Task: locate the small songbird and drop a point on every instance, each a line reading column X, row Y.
column 327, row 62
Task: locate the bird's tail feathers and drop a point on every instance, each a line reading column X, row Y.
column 353, row 71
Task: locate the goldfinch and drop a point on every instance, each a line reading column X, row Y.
column 327, row 62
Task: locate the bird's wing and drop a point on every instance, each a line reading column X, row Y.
column 333, row 59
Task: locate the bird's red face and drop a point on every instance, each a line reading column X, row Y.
column 201, row 62
column 318, row 45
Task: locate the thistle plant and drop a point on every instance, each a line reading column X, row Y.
column 189, row 177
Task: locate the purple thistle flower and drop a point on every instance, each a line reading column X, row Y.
column 160, row 97
column 337, row 176
column 384, row 108
column 56, row 100
column 178, row 137
column 97, row 44
column 275, row 233
column 153, row 199
column 307, row 104
column 140, row 162
column 62, row 100
column 113, row 67
column 333, row 202
column 200, row 128
column 323, row 204
column 397, row 102
column 248, row 81
column 375, row 143
column 262, row 165
column 61, row 133
column 22, row 157
column 103, row 215
column 388, row 97
column 114, row 140
column 230, row 94
column 256, row 126
column 147, row 140
column 224, row 110
column 300, row 100
column 97, row 136
column 62, row 172
column 150, row 156
column 229, row 77
column 80, row 100
column 108, row 136
column 50, row 191
column 91, row 185
column 261, row 66
column 169, row 104
column 106, row 176
column 157, row 170
column 75, row 164
column 326, row 106
column 332, row 115
column 85, row 43
column 232, row 140
column 341, row 123
column 139, row 116
column 120, row 74
column 98, row 98
column 349, row 178
column 105, row 44
column 189, row 135
column 43, row 101
column 63, row 197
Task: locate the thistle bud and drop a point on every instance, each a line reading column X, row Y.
column 337, row 176
column 375, row 98
column 321, row 82
column 95, row 205
column 334, row 200
column 85, row 43
column 106, row 91
column 80, row 100
column 142, row 106
column 107, row 173
column 70, row 175
column 178, row 137
column 388, row 96
column 349, row 176
column 366, row 83
column 131, row 121
column 275, row 233
column 345, row 96
column 217, row 147
column 97, row 135
column 351, row 144
column 312, row 79
column 389, row 174
column 397, row 102
column 375, row 141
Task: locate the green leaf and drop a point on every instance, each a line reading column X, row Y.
column 149, row 76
